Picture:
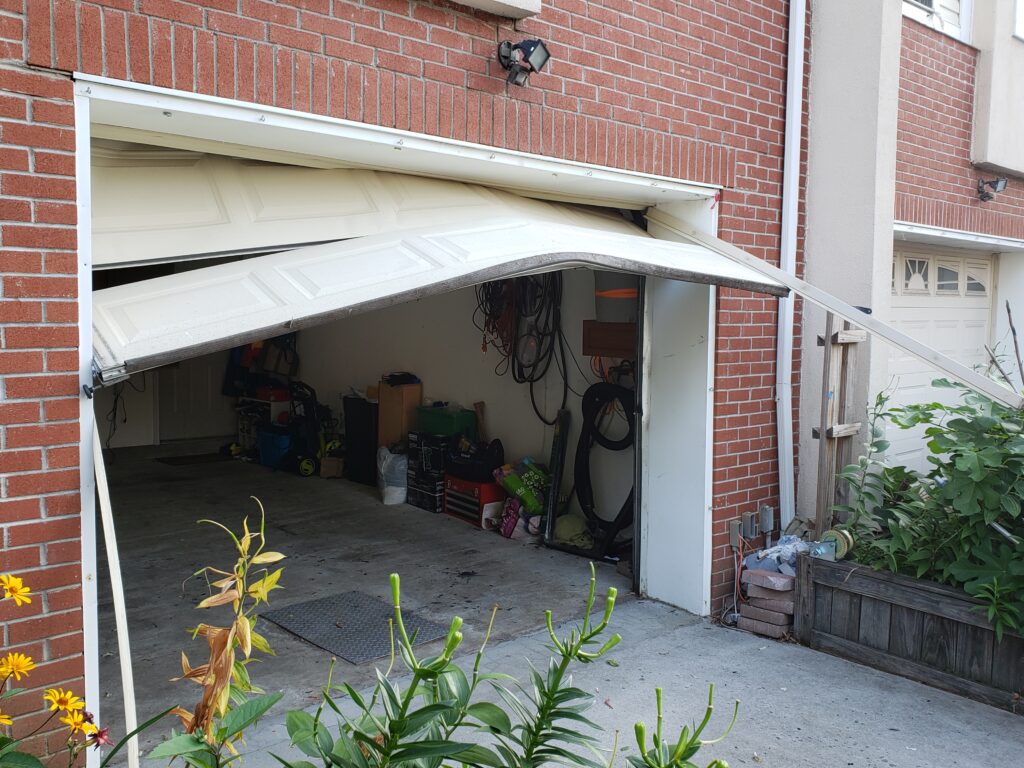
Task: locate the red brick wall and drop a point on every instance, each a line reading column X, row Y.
column 692, row 90
column 39, row 431
column 935, row 181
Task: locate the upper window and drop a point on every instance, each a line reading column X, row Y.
column 949, row 16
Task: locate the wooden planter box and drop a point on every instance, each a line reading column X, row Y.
column 921, row 630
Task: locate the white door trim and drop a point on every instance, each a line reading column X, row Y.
column 904, row 231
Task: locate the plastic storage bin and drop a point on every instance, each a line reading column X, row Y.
column 442, row 421
column 273, row 447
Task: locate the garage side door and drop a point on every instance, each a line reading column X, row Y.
column 944, row 301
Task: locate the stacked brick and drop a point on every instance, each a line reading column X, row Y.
column 771, row 598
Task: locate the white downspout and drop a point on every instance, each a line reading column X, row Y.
column 787, row 256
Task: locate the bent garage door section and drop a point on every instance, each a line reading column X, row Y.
column 155, row 322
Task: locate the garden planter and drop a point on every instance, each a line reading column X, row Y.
column 918, row 629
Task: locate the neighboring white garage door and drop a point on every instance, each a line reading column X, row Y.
column 945, row 301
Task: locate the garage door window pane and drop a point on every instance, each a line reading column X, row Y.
column 977, row 281
column 947, row 279
column 915, row 276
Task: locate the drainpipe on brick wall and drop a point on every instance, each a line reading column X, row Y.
column 787, row 256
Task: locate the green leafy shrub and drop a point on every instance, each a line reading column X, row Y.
column 437, row 718
column 960, row 523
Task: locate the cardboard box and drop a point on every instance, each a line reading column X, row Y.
column 396, row 413
column 332, row 467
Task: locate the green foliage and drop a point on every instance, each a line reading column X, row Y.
column 436, row 720
column 663, row 754
column 201, row 751
column 959, row 524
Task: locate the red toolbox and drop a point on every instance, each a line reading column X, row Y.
column 468, row 501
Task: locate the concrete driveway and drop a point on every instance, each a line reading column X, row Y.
column 800, row 708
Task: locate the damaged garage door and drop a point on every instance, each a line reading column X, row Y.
column 155, row 322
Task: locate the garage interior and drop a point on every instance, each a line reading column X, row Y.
column 194, row 439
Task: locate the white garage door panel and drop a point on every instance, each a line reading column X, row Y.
column 152, row 205
column 154, row 322
column 956, row 323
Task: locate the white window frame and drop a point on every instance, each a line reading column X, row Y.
column 960, row 263
column 984, row 271
column 930, row 17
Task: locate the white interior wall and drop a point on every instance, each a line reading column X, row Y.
column 133, row 421
column 177, row 402
column 435, row 338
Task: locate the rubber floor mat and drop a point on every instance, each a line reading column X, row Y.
column 351, row 625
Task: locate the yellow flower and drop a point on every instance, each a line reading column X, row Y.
column 16, row 665
column 89, row 728
column 61, row 699
column 75, row 721
column 15, row 589
column 5, row 719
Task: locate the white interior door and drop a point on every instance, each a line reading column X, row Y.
column 944, row 301
column 190, row 399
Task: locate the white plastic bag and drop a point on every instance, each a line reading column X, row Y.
column 392, row 469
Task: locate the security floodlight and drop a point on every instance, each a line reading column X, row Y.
column 996, row 185
column 522, row 58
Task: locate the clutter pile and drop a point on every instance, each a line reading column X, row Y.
column 770, row 603
column 768, row 577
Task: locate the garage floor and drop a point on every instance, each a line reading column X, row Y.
column 337, row 536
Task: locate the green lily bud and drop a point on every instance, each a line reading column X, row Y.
column 395, row 590
column 453, row 642
column 640, row 731
column 551, row 631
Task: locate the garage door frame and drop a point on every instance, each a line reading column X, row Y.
column 98, row 98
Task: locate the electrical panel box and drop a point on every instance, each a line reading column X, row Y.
column 750, row 526
column 734, row 534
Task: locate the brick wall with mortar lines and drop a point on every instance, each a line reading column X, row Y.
column 692, row 90
column 935, row 181
column 39, row 431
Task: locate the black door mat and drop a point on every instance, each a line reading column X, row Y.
column 351, row 625
column 196, row 458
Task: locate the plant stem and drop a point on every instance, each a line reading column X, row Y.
column 43, row 725
column 544, row 710
column 393, row 738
